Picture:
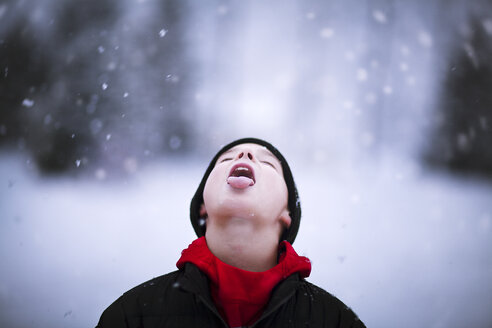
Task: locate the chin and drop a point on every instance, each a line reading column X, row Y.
column 237, row 208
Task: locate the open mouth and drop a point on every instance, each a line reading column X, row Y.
column 241, row 176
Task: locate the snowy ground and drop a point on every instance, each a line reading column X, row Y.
column 401, row 246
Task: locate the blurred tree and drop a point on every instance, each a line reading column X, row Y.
column 24, row 71
column 463, row 137
column 95, row 82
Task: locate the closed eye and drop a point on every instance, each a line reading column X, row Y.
column 268, row 163
column 225, row 159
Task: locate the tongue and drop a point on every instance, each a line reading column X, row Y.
column 240, row 182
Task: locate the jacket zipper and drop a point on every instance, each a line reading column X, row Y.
column 213, row 309
column 273, row 309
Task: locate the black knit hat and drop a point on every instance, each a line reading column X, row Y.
column 293, row 199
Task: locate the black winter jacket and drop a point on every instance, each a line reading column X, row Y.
column 182, row 299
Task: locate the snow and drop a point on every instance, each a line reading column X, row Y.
column 425, row 39
column 222, row 10
column 487, row 24
column 96, row 126
column 379, row 16
column 387, row 89
column 28, row 102
column 361, row 74
column 47, row 119
column 327, row 33
column 3, row 9
column 175, row 142
column 401, row 246
column 310, row 15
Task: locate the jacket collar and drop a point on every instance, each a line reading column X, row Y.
column 280, row 295
column 194, row 281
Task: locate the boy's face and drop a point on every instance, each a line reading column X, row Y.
column 247, row 182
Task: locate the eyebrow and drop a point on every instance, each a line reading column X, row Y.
column 265, row 151
column 226, row 152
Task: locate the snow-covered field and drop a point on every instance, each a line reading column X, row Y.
column 402, row 246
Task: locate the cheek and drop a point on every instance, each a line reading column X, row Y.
column 211, row 186
column 277, row 190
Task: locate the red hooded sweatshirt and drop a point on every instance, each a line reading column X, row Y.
column 240, row 295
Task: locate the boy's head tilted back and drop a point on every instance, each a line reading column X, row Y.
column 241, row 182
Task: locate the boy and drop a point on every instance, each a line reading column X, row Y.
column 242, row 270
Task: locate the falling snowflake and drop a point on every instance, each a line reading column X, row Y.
column 484, row 223
column 28, row 102
column 483, row 122
column 100, row 174
column 404, row 50
column 349, row 55
column 3, row 9
column 310, row 15
column 403, row 66
column 111, row 66
column 327, row 33
column 162, row 33
column 96, row 126
column 425, row 39
column 361, row 74
column 347, row 104
column 175, row 142
column 379, row 16
column 462, row 141
column 130, row 164
column 104, row 86
column 387, row 89
column 47, row 119
column 367, row 139
column 487, row 25
column 222, row 10
column 371, row 98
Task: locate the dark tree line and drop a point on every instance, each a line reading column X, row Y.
column 463, row 126
column 87, row 84
column 90, row 82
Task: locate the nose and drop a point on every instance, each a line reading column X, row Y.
column 246, row 153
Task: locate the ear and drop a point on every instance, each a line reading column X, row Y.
column 285, row 219
column 203, row 211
